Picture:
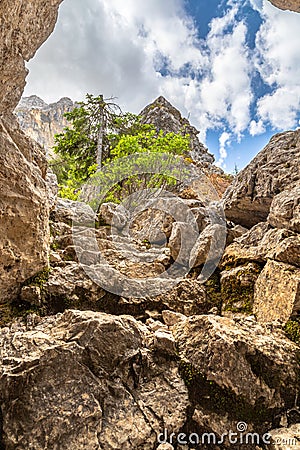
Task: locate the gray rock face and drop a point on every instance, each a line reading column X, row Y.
column 285, row 209
column 277, row 292
column 92, row 382
column 41, row 121
column 166, row 117
column 24, row 209
column 23, row 206
column 276, row 168
column 87, row 380
column 23, row 31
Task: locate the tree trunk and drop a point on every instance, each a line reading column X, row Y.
column 100, row 138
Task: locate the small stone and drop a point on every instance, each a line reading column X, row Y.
column 31, row 294
column 171, row 317
column 164, row 341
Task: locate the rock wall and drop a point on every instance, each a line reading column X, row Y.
column 248, row 199
column 293, row 5
column 23, row 203
column 41, row 121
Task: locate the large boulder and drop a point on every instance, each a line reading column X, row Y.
column 277, row 292
column 260, row 243
column 285, row 209
column 248, row 199
column 87, row 380
column 237, row 288
column 24, row 198
column 237, row 370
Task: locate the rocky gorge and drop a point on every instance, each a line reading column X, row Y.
column 86, row 367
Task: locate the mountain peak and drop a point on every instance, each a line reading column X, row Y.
column 164, row 116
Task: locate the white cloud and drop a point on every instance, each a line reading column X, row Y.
column 256, row 127
column 224, row 141
column 278, row 62
column 118, row 48
column 112, row 46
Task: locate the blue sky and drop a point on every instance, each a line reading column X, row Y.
column 231, row 66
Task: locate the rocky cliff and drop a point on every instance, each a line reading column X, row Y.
column 293, row 5
column 276, row 168
column 41, row 121
column 24, row 204
column 164, row 116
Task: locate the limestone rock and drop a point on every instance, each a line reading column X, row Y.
column 24, row 210
column 258, row 244
column 277, row 292
column 287, row 251
column 167, row 118
column 182, row 240
column 209, row 246
column 237, row 288
column 285, row 210
column 293, row 5
column 113, row 215
column 126, row 394
column 238, row 369
column 152, row 226
column 247, row 201
column 171, row 317
column 23, row 205
column 41, row 121
column 24, row 29
column 52, row 188
column 234, row 233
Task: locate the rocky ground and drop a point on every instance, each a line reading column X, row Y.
column 199, row 358
column 84, row 365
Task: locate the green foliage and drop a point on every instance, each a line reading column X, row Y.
column 77, row 147
column 122, row 135
column 149, row 141
column 149, row 171
column 39, row 279
column 292, row 330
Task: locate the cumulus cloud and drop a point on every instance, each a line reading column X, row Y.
column 256, row 127
column 117, row 48
column 224, row 141
column 138, row 50
column 278, row 63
